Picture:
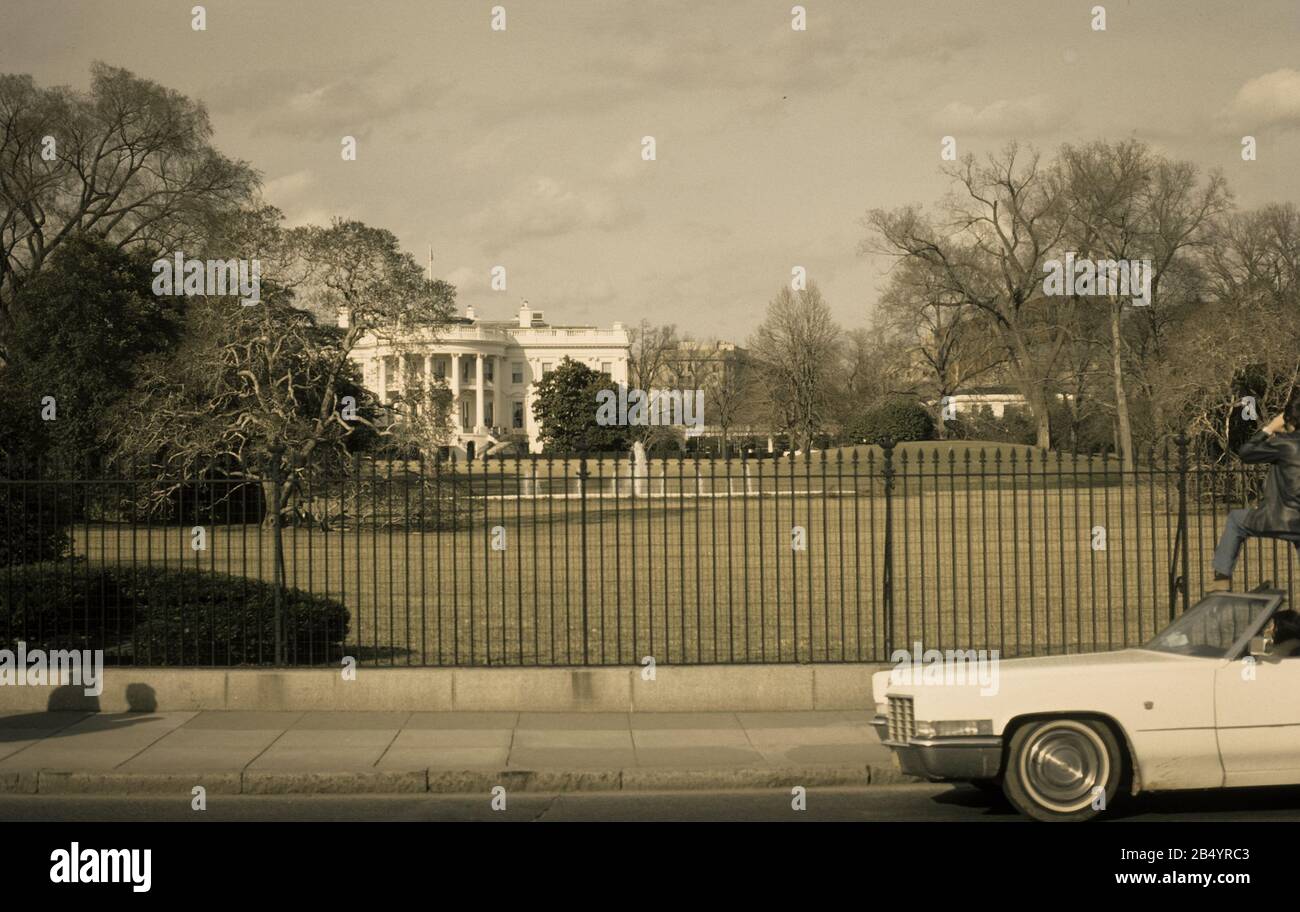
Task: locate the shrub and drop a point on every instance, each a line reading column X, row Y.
column 1015, row 426
column 34, row 518
column 1088, row 431
column 899, row 420
column 164, row 616
column 193, row 618
column 59, row 605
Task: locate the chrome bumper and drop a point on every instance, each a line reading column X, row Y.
column 960, row 758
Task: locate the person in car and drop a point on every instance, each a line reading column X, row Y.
column 1284, row 629
column 1278, row 515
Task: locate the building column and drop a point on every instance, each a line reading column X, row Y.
column 383, row 377
column 498, row 399
column 534, row 375
column 455, row 392
column 428, row 372
column 478, row 393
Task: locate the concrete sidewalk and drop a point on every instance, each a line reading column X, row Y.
column 452, row 752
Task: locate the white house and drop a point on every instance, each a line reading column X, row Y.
column 996, row 398
column 491, row 367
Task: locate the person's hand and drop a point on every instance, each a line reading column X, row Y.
column 1278, row 422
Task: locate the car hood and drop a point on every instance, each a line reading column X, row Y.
column 1085, row 661
column 1018, row 674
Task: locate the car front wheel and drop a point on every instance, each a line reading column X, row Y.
column 1063, row 769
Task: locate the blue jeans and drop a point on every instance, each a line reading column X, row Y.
column 1235, row 535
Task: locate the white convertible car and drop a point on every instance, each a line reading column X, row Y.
column 1206, row 704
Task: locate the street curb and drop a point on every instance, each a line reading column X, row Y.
column 356, row 782
column 614, row 688
column 439, row 781
column 68, row 782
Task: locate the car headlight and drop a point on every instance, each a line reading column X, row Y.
column 953, row 728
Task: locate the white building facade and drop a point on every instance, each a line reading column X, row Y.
column 491, row 368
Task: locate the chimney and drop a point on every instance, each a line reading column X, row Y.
column 525, row 314
column 469, row 312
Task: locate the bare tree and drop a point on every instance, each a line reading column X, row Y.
column 731, row 394
column 947, row 344
column 999, row 227
column 651, row 349
column 797, row 347
column 1126, row 203
column 649, row 356
column 876, row 365
column 1245, row 337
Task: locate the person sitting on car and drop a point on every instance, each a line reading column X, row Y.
column 1278, row 515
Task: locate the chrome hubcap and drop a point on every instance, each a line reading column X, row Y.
column 1063, row 765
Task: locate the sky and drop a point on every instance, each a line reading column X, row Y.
column 523, row 147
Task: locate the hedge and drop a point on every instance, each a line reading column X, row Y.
column 35, row 521
column 162, row 616
column 898, row 420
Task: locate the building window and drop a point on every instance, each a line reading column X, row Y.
column 414, row 369
column 607, row 368
column 517, row 373
column 517, row 418
column 440, row 368
column 546, row 367
column 466, row 369
column 488, row 368
column 392, row 380
column 466, row 417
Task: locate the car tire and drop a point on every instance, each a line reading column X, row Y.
column 1055, row 767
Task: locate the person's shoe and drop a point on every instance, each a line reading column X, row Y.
column 1219, row 585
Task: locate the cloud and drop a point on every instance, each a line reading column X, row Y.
column 464, row 278
column 288, row 187
column 322, row 104
column 941, row 45
column 1003, row 118
column 686, row 55
column 1271, row 99
column 297, row 217
column 547, row 208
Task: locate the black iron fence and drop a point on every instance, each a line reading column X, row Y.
column 843, row 556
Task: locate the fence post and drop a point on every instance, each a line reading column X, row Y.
column 582, row 500
column 887, row 575
column 1181, row 443
column 277, row 453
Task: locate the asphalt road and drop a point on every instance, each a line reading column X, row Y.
column 875, row 803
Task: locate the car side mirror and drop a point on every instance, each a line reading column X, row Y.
column 1260, row 646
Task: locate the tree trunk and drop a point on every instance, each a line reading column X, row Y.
column 1036, row 398
column 268, row 500
column 1044, row 436
column 1125, row 429
column 1033, row 388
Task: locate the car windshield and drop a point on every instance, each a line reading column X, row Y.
column 1211, row 627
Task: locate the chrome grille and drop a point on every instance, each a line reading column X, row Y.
column 902, row 722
